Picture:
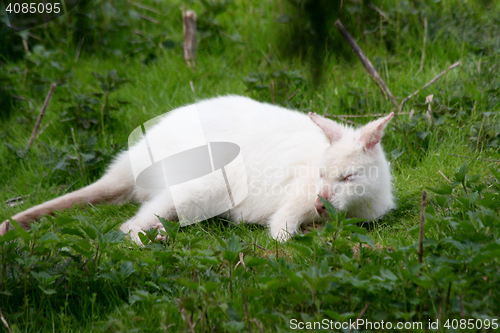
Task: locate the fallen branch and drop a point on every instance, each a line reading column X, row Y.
column 260, row 247
column 40, row 116
column 140, row 5
column 148, row 18
column 442, row 174
column 422, row 222
column 361, row 314
column 189, row 46
column 5, row 322
column 423, row 47
column 246, row 312
column 293, row 95
column 366, row 62
column 190, row 324
column 272, row 92
column 428, row 84
column 343, row 119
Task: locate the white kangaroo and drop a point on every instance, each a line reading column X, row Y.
column 290, row 160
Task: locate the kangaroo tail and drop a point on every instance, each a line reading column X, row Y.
column 112, row 187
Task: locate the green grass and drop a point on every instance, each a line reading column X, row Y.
column 71, row 274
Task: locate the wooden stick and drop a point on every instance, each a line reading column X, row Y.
column 257, row 323
column 361, row 314
column 5, row 322
column 40, row 116
column 442, row 174
column 293, row 95
column 260, row 247
column 366, row 62
column 246, row 312
column 423, row 47
column 190, row 324
column 272, row 92
column 148, row 18
column 189, row 46
column 343, row 119
column 140, row 5
column 428, row 84
column 422, row 222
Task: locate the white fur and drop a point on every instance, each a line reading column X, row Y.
column 284, row 152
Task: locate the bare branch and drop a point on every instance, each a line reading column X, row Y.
column 366, row 62
column 428, row 84
column 422, row 222
column 189, row 46
column 361, row 314
column 5, row 321
column 423, row 47
column 40, row 116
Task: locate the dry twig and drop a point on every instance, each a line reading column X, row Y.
column 140, row 5
column 272, row 92
column 246, row 312
column 361, row 314
column 428, row 84
column 148, row 18
column 5, row 322
column 422, row 222
column 190, row 324
column 423, row 47
column 366, row 62
column 40, row 116
column 293, row 95
column 189, row 46
column 442, row 174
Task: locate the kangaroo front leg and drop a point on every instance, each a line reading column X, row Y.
column 287, row 220
column 161, row 205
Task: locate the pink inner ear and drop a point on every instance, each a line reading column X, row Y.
column 332, row 130
column 372, row 132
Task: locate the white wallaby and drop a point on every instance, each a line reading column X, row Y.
column 290, row 159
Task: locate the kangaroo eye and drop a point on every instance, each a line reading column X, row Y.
column 347, row 178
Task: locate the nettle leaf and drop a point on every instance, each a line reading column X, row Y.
column 188, row 284
column 23, row 233
column 387, row 274
column 232, row 313
column 397, row 152
column 49, row 237
column 144, row 238
column 363, row 239
column 329, row 208
column 61, row 221
column 126, row 269
column 461, row 173
column 231, row 251
column 251, row 261
column 90, row 230
column 422, row 135
column 444, row 189
column 114, row 237
column 210, row 286
column 72, row 231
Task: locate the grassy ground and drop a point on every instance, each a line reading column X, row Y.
column 75, row 273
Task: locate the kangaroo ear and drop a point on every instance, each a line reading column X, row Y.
column 372, row 132
column 332, row 130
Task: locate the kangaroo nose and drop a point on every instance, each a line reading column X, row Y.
column 320, row 207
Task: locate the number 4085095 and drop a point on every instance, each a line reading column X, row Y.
column 33, row 8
